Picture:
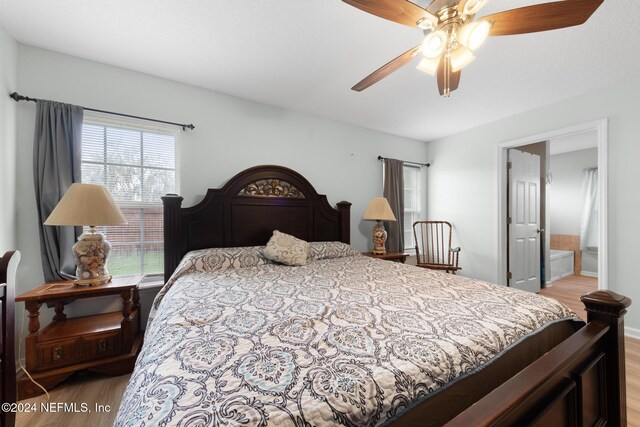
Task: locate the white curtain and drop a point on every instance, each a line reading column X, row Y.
column 589, row 220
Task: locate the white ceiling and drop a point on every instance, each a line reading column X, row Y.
column 305, row 55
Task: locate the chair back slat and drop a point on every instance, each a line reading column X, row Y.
column 433, row 245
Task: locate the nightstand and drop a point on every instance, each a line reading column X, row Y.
column 107, row 343
column 390, row 256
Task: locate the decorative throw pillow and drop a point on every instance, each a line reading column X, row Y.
column 286, row 249
column 328, row 250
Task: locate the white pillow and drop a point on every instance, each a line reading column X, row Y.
column 286, row 249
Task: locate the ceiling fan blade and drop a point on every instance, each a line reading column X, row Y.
column 542, row 17
column 400, row 11
column 387, row 69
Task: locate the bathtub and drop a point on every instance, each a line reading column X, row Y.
column 561, row 264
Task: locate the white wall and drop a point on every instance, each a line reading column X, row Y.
column 8, row 141
column 463, row 181
column 564, row 192
column 231, row 134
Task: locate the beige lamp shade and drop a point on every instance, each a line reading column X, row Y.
column 379, row 210
column 86, row 204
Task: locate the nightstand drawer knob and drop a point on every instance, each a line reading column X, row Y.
column 102, row 345
column 57, row 353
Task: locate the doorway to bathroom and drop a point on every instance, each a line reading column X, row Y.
column 572, row 207
column 573, row 210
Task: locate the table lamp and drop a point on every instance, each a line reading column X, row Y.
column 90, row 205
column 379, row 210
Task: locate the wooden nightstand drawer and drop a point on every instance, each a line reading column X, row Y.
column 53, row 354
column 101, row 345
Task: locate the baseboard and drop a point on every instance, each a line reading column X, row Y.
column 588, row 273
column 632, row 332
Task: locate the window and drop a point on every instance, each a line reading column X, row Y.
column 137, row 163
column 412, row 203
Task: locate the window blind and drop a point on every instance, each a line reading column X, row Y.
column 138, row 165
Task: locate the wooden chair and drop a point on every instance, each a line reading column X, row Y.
column 433, row 246
column 8, row 266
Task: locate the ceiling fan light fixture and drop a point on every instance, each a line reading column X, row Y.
column 460, row 58
column 474, row 34
column 429, row 66
column 450, row 39
column 425, row 24
column 471, row 7
column 434, row 44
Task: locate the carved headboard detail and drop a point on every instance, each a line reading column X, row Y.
column 272, row 188
column 246, row 210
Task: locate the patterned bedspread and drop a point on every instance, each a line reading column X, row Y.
column 346, row 339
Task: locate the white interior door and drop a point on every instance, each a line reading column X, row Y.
column 524, row 220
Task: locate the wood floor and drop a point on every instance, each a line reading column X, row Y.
column 92, row 389
column 569, row 290
column 81, row 388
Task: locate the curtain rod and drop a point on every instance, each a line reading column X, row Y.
column 17, row 97
column 413, row 163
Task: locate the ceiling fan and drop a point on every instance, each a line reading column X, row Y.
column 452, row 34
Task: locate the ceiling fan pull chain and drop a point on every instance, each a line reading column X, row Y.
column 447, row 76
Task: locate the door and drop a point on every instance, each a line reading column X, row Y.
column 524, row 220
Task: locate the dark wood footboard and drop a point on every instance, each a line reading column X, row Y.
column 581, row 382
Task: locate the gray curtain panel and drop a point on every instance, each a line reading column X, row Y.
column 394, row 193
column 56, row 165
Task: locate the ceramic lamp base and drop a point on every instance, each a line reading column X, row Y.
column 379, row 237
column 91, row 252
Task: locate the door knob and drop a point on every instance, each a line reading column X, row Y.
column 540, row 230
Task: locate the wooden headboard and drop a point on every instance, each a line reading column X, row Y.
column 245, row 212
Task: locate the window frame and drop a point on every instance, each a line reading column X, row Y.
column 138, row 125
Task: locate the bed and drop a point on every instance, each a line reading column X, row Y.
column 234, row 339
